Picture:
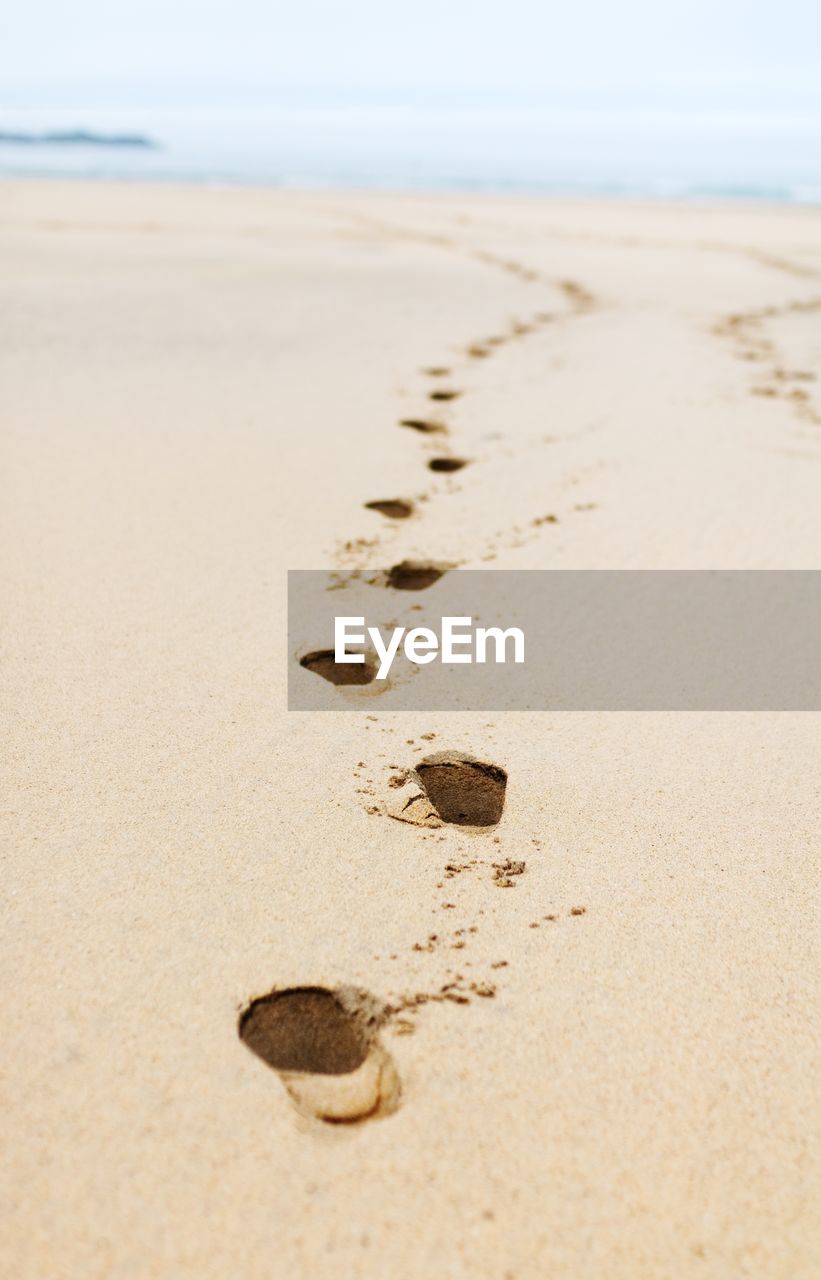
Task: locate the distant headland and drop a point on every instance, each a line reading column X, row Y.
column 79, row 138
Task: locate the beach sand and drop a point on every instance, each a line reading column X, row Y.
column 603, row 1067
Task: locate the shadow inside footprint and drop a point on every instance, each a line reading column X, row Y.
column 415, row 575
column 462, row 789
column 304, row 1029
column 443, row 393
column 394, row 508
column 447, row 464
column 323, row 663
column 323, row 1045
column 423, row 424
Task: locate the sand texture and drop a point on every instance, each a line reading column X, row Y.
column 573, row 1041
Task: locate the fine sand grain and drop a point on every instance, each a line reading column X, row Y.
column 559, row 1020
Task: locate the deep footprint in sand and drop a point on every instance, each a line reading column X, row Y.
column 425, row 425
column 447, row 464
column 454, row 788
column 323, row 663
column 324, row 1046
column 443, row 393
column 462, row 789
column 415, row 575
column 393, row 508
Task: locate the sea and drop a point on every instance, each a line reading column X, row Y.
column 584, row 148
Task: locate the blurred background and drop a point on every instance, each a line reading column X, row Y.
column 698, row 99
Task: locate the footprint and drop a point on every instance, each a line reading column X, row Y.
column 579, row 297
column 437, row 371
column 462, row 789
column 394, row 508
column 323, row 663
column 450, row 787
column 415, row 575
column 443, row 393
column 447, row 464
column 324, row 1046
column 477, row 351
column 423, row 424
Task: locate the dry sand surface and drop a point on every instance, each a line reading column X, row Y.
column 594, row 1065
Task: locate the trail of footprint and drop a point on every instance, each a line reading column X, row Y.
column 579, row 298
column 454, row 788
column 324, row 1043
column 763, row 257
column 746, row 330
column 324, row 1046
column 427, row 426
column 799, row 270
column 450, row 463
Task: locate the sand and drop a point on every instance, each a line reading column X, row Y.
column 612, row 1073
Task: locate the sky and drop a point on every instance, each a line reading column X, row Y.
column 657, row 96
column 746, row 55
